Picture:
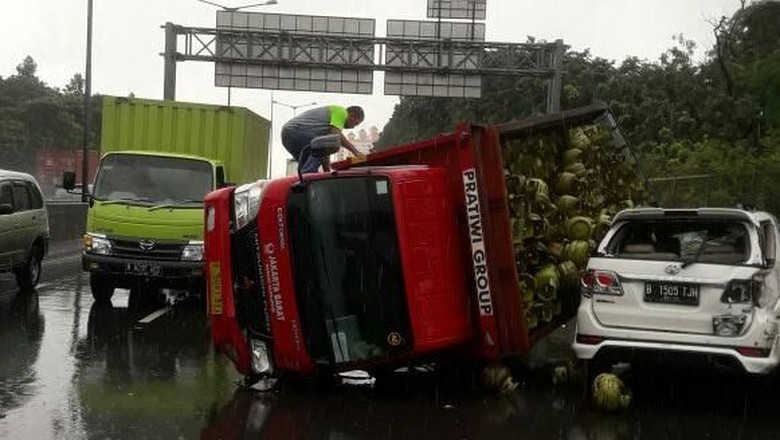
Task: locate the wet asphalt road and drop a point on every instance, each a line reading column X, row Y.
column 70, row 369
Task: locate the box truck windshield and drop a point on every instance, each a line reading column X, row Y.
column 348, row 275
column 154, row 180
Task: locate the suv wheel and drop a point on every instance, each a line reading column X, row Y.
column 28, row 275
column 101, row 287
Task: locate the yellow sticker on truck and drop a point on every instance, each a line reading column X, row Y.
column 215, row 289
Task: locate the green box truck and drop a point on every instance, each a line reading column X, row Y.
column 159, row 159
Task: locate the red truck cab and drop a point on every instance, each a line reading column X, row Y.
column 373, row 264
column 354, row 268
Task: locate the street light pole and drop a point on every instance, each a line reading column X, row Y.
column 87, row 107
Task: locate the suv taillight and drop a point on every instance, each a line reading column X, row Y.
column 600, row 282
column 741, row 292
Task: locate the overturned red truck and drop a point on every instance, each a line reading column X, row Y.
column 407, row 255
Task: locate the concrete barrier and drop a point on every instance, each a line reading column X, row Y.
column 67, row 220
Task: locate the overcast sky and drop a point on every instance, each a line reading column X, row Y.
column 128, row 40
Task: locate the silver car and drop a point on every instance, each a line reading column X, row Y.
column 684, row 283
column 24, row 227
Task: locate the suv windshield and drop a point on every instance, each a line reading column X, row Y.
column 348, row 277
column 153, row 179
column 703, row 241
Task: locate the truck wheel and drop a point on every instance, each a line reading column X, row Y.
column 101, row 287
column 28, row 275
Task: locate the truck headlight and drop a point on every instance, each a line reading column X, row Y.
column 246, row 202
column 261, row 359
column 193, row 251
column 97, row 244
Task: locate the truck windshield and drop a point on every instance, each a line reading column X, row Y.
column 348, row 276
column 153, row 180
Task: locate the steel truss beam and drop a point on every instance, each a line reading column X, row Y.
column 382, row 54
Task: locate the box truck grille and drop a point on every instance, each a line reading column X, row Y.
column 249, row 286
column 158, row 251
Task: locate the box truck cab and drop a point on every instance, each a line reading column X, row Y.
column 160, row 158
column 405, row 256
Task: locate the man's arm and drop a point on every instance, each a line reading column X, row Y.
column 346, row 143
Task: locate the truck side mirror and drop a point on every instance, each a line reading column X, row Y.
column 6, row 209
column 68, row 180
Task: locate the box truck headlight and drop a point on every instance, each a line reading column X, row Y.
column 97, row 244
column 261, row 359
column 246, row 201
column 193, row 251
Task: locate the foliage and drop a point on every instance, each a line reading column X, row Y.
column 34, row 116
column 719, row 117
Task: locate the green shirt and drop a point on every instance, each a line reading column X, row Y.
column 319, row 120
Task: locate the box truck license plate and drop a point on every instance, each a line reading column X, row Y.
column 147, row 269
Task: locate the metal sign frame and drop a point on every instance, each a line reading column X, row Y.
column 457, row 9
column 294, row 52
column 543, row 60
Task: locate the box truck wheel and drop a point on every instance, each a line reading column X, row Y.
column 102, row 288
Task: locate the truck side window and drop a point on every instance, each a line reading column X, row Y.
column 220, row 176
column 22, row 199
column 768, row 243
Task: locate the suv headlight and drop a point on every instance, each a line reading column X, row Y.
column 193, row 251
column 97, row 244
column 246, row 202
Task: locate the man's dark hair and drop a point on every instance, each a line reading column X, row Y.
column 356, row 111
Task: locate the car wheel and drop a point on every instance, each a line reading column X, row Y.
column 28, row 276
column 102, row 289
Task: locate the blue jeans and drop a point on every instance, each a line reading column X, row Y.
column 295, row 140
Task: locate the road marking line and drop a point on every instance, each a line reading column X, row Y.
column 154, row 315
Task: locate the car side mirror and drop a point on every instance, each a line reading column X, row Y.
column 6, row 209
column 69, row 180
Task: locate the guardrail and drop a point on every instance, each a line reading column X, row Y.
column 67, row 220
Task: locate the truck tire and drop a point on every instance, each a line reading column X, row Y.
column 101, row 287
column 28, row 275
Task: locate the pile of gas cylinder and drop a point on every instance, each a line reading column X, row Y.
column 564, row 188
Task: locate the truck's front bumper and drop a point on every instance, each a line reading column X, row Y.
column 126, row 268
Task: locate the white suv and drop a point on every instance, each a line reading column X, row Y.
column 24, row 227
column 702, row 281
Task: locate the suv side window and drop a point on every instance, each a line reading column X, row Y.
column 6, row 194
column 768, row 243
column 22, row 199
column 36, row 197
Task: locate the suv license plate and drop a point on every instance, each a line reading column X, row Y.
column 672, row 293
column 143, row 269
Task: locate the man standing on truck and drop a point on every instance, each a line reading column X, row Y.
column 299, row 131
